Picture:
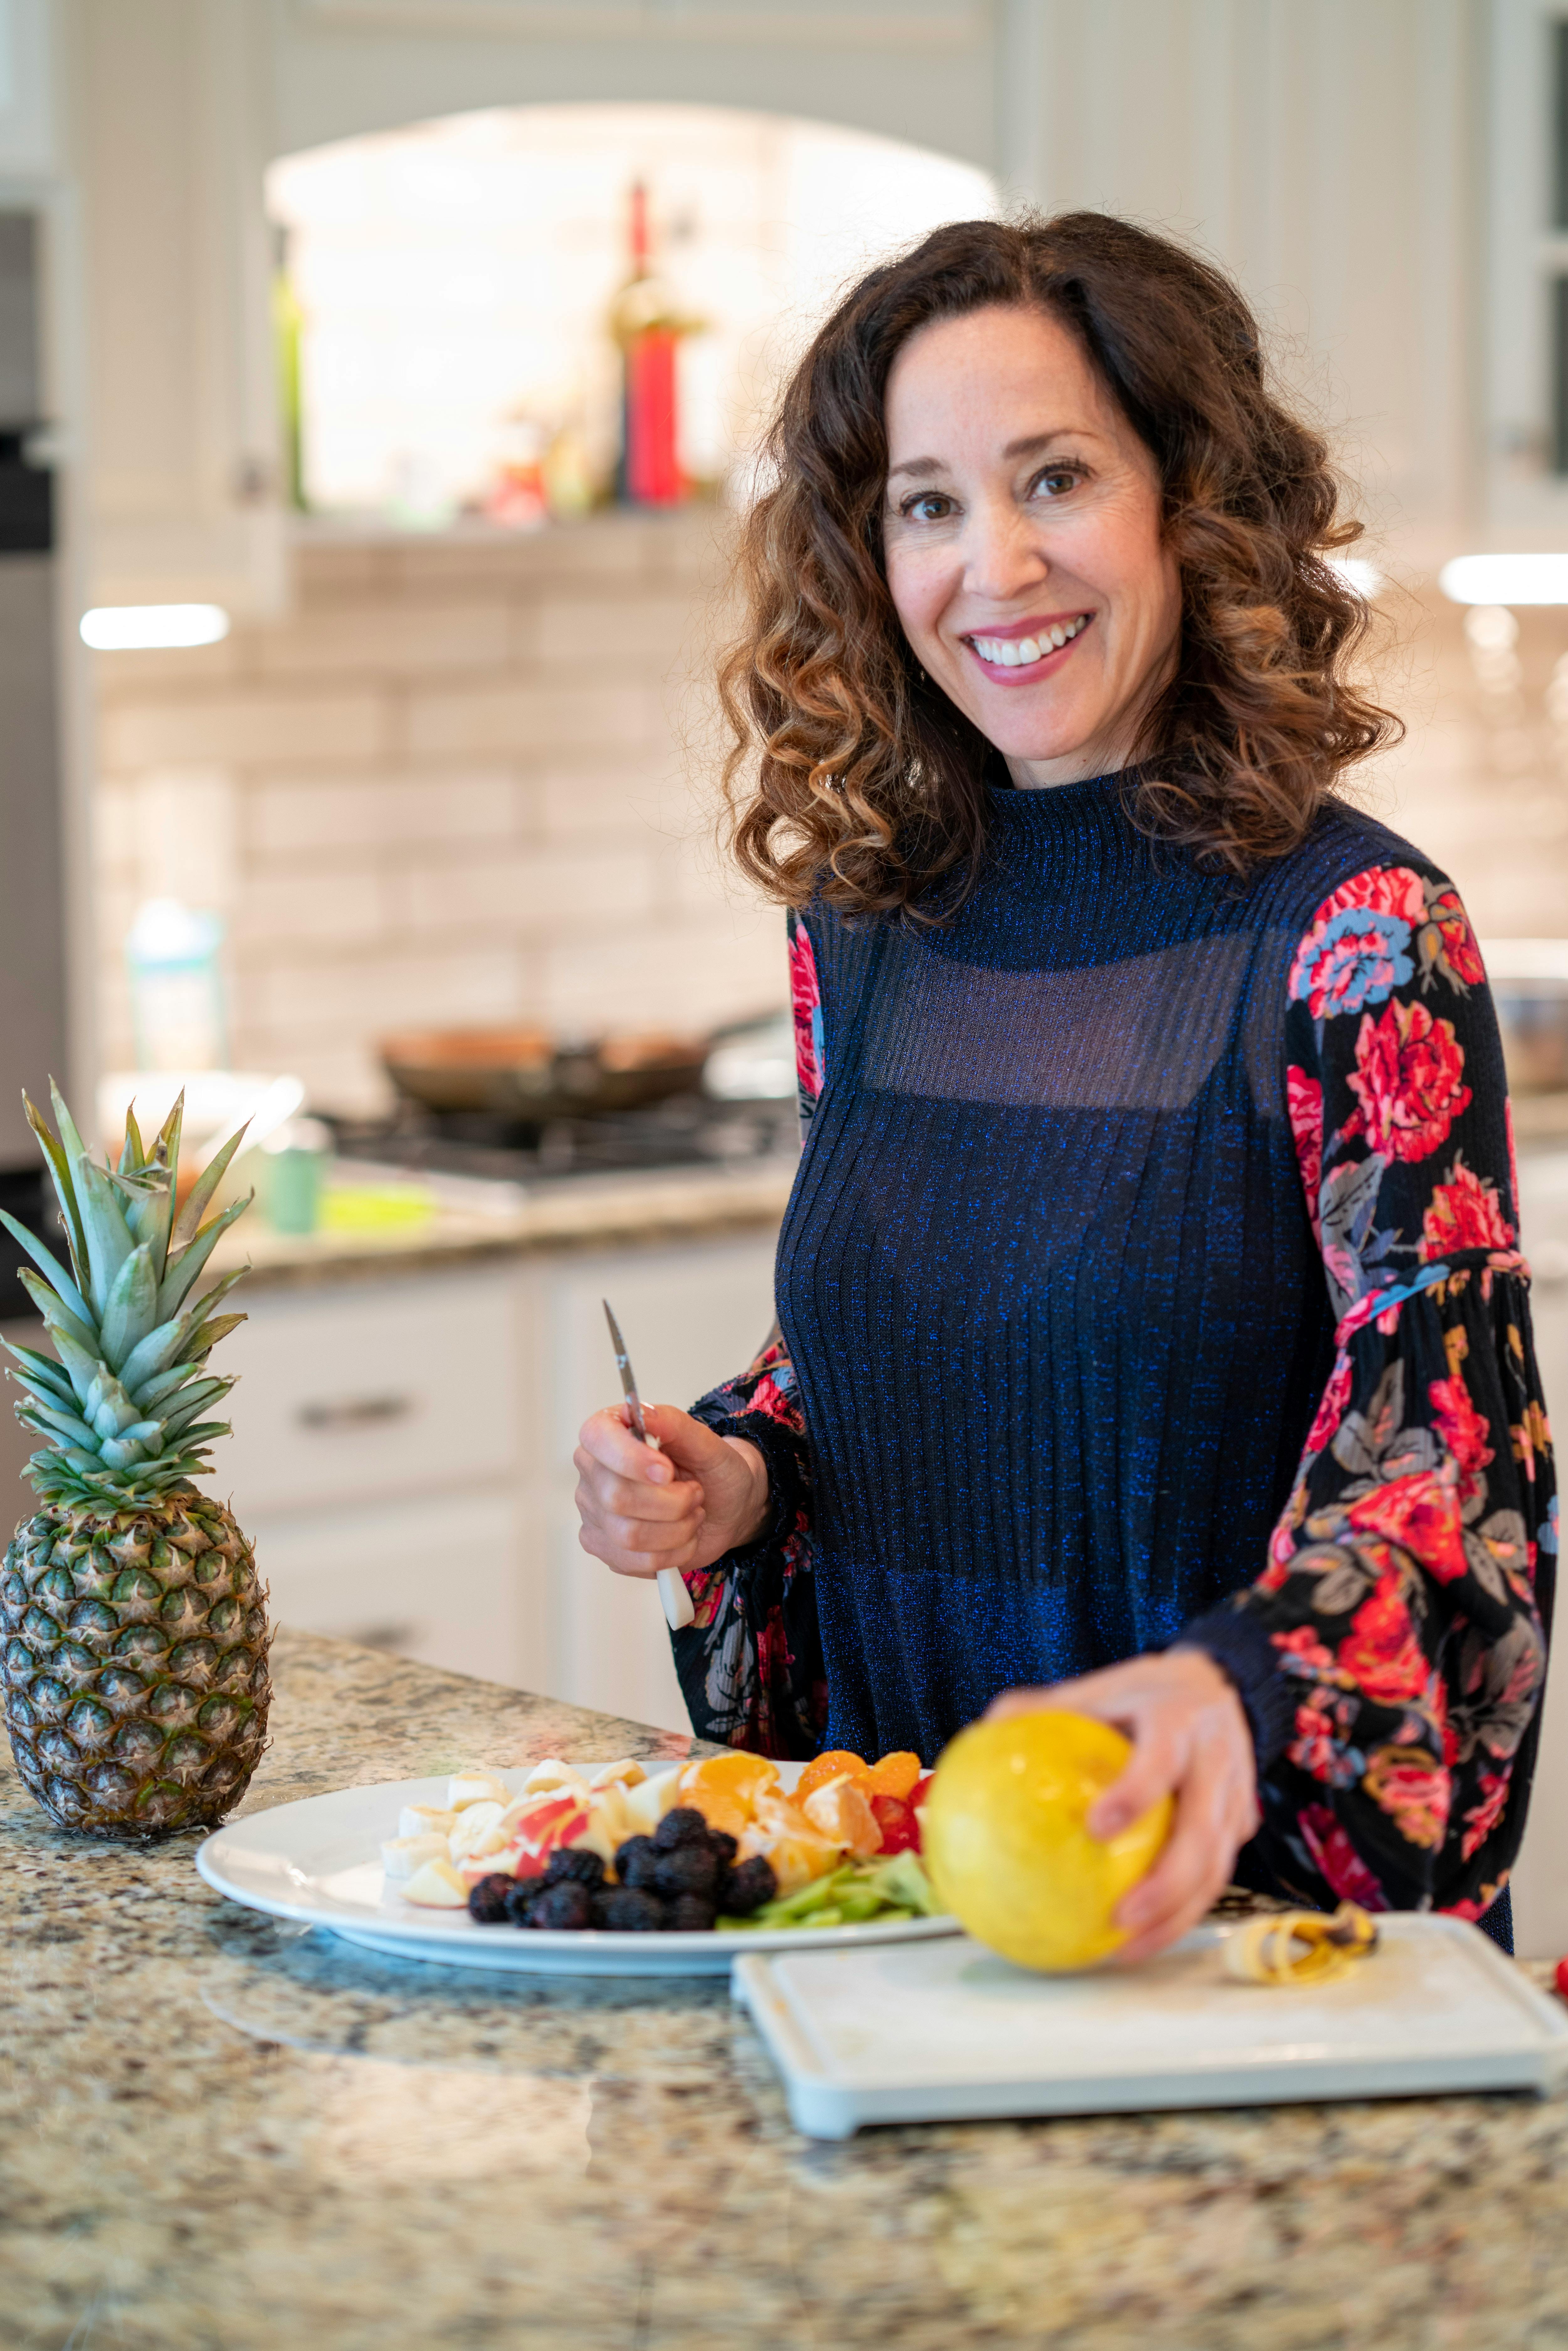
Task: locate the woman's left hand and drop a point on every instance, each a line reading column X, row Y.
column 1190, row 1739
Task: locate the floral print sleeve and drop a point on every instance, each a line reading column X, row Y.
column 750, row 1666
column 1400, row 1621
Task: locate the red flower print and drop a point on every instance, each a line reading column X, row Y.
column 1381, row 1649
column 1513, row 1153
column 1421, row 1514
column 1413, row 1790
column 1407, row 1082
column 1353, row 954
column 1339, row 1865
column 1314, row 1749
column 1482, row 1818
column 806, row 999
column 1330, row 1406
column 1456, row 941
column 1304, row 1097
column 1463, row 1213
column 1463, row 1430
column 1304, row 1644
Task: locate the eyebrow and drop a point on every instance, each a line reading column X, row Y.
column 1024, row 448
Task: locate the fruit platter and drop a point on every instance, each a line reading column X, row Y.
column 598, row 1868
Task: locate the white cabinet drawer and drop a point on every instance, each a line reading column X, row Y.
column 369, row 1390
column 442, row 1580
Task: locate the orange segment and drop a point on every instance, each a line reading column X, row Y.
column 835, row 1764
column 718, row 1810
column 733, row 1773
column 895, row 1775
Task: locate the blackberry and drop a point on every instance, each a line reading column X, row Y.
column 746, row 1889
column 488, row 1900
column 688, row 1914
column 724, row 1846
column 520, row 1901
column 575, row 1863
column 567, row 1904
column 684, row 1825
column 629, row 1910
column 690, row 1869
column 636, row 1861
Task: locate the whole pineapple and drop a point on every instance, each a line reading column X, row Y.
column 133, row 1623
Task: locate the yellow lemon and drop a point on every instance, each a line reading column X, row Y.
column 1003, row 1838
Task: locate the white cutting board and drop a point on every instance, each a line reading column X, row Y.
column 937, row 2032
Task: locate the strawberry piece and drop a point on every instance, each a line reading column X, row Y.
column 1561, row 1978
column 895, row 1819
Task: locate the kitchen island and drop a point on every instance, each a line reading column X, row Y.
column 221, row 2132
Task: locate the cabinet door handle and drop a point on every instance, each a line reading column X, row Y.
column 355, row 1412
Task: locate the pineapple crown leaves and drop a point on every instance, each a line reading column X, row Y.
column 121, row 1409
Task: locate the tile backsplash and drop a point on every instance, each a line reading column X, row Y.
column 464, row 779
column 475, row 780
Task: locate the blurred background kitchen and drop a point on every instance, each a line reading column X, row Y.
column 378, row 382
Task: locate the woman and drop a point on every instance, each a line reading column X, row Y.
column 1153, row 1334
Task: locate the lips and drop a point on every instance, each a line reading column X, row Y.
column 1007, row 650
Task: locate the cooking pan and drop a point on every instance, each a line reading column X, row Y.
column 525, row 1073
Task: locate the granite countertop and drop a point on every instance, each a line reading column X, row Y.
column 476, row 1221
column 221, row 2132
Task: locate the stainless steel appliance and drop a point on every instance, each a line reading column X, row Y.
column 32, row 917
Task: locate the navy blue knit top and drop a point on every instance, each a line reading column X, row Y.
column 1129, row 1198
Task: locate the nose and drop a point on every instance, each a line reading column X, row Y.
column 1001, row 557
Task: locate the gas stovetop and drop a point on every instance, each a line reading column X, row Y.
column 688, row 1131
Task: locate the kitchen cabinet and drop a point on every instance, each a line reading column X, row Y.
column 402, row 1448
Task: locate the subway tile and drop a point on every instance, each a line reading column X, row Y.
column 276, row 906
column 600, row 801
column 688, row 977
column 252, row 728
column 520, row 720
column 610, row 634
column 538, row 893
column 360, row 997
column 157, row 670
column 326, row 574
column 390, row 639
column 369, row 815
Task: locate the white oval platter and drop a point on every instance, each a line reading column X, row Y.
column 315, row 1863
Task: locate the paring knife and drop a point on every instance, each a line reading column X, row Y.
column 677, row 1600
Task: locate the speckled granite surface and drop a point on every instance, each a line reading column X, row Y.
column 675, row 1204
column 223, row 2133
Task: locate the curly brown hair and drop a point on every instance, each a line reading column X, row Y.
column 869, row 789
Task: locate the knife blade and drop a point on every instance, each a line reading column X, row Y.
column 673, row 1592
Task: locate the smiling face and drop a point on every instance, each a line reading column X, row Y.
column 1021, row 530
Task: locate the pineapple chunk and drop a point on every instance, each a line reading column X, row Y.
column 401, row 1855
column 627, row 1773
column 479, row 1831
column 650, row 1800
column 841, row 1812
column 476, row 1786
column 425, row 1820
column 435, row 1885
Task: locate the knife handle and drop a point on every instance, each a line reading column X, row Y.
column 677, row 1600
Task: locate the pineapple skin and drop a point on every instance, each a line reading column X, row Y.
column 134, row 1646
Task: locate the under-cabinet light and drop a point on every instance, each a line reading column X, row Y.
column 126, row 627
column 1505, row 580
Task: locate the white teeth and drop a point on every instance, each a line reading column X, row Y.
column 1018, row 653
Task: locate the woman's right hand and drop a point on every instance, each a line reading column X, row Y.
column 684, row 1506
